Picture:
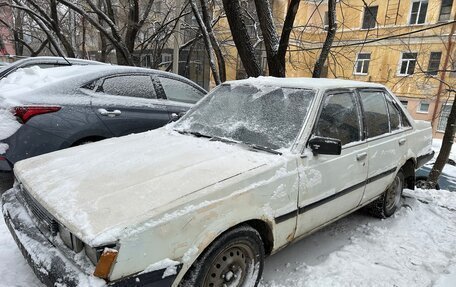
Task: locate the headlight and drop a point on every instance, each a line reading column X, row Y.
column 94, row 253
column 70, row 240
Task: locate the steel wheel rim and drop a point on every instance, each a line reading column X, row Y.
column 393, row 195
column 231, row 267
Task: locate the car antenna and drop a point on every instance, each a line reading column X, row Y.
column 66, row 60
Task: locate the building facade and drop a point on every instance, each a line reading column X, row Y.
column 6, row 45
column 407, row 45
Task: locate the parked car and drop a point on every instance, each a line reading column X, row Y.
column 254, row 166
column 44, row 63
column 446, row 181
column 85, row 104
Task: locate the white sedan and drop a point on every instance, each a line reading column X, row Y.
column 256, row 165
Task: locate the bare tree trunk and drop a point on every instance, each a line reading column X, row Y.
column 215, row 44
column 241, row 38
column 207, row 42
column 329, row 39
column 18, row 33
column 270, row 37
column 445, row 149
column 292, row 10
column 56, row 29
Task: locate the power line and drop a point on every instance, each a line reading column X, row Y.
column 379, row 39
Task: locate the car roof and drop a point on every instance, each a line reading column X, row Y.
column 306, row 83
column 60, row 60
column 69, row 78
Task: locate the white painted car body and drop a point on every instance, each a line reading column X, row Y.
column 163, row 195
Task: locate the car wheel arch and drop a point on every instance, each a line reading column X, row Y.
column 87, row 139
column 261, row 226
column 408, row 169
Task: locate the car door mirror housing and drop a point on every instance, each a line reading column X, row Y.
column 322, row 145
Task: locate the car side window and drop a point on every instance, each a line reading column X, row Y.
column 339, row 118
column 375, row 113
column 179, row 91
column 395, row 122
column 137, row 86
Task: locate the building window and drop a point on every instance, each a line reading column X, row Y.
column 453, row 69
column 370, row 17
column 445, row 10
column 362, row 63
column 404, row 103
column 434, row 63
column 423, row 107
column 419, row 10
column 166, row 58
column 407, row 65
column 443, row 118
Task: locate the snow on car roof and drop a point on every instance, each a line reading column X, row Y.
column 309, row 83
column 35, row 77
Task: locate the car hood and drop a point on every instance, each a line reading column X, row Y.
column 120, row 182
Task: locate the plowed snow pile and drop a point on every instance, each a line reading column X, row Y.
column 416, row 247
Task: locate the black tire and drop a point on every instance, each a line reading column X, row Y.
column 6, row 181
column 234, row 259
column 420, row 182
column 390, row 200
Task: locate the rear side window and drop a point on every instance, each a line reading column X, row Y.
column 375, row 113
column 395, row 122
column 339, row 118
column 179, row 91
column 137, row 86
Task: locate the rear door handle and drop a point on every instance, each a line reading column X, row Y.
column 107, row 113
column 361, row 156
column 402, row 141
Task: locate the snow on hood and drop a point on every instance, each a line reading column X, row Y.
column 117, row 183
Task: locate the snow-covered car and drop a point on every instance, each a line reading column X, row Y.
column 254, row 166
column 44, row 110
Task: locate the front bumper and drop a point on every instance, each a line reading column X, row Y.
column 49, row 264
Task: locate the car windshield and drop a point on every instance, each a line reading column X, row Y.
column 264, row 116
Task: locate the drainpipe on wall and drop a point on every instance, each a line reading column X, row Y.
column 443, row 74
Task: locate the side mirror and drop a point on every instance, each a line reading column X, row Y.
column 321, row 145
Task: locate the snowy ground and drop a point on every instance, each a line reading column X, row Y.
column 416, row 247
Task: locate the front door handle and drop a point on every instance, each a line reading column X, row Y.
column 402, row 141
column 361, row 156
column 107, row 113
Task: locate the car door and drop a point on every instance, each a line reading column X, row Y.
column 179, row 96
column 332, row 185
column 128, row 104
column 386, row 137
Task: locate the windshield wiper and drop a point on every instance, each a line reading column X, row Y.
column 263, row 148
column 196, row 134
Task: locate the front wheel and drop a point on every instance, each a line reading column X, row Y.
column 235, row 259
column 390, row 200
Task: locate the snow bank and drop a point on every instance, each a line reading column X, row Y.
column 413, row 248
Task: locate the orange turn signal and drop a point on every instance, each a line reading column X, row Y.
column 105, row 263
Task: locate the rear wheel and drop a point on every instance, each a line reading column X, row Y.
column 234, row 260
column 390, row 200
